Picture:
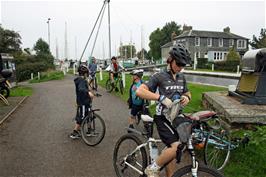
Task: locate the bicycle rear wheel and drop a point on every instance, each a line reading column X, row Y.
column 109, row 86
column 217, row 150
column 202, row 172
column 126, row 162
column 121, row 87
column 92, row 129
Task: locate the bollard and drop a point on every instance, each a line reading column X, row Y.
column 31, row 76
column 74, row 69
column 101, row 74
column 238, row 69
column 64, row 71
column 212, row 67
column 124, row 79
column 67, row 69
column 39, row 76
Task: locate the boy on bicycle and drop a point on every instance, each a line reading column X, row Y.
column 114, row 68
column 171, row 85
column 83, row 99
column 135, row 103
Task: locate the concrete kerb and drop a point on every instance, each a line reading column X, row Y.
column 13, row 110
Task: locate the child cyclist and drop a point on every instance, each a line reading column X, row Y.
column 83, row 99
column 135, row 103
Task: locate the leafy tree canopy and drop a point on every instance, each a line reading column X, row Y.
column 233, row 55
column 160, row 37
column 10, row 41
column 259, row 42
column 41, row 47
column 140, row 54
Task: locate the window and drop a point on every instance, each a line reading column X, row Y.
column 231, row 42
column 221, row 56
column 225, row 56
column 214, row 56
column 197, row 54
column 220, row 42
column 241, row 44
column 197, row 41
column 218, row 56
column 209, row 42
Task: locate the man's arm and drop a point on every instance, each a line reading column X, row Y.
column 144, row 93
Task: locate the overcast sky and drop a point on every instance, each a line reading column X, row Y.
column 128, row 17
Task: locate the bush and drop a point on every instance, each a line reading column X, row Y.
column 23, row 71
column 202, row 63
column 230, row 66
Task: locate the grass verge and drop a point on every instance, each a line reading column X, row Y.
column 47, row 76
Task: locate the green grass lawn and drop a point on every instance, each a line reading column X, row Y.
column 244, row 162
column 20, row 91
column 47, row 76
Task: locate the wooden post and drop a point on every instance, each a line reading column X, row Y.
column 212, row 67
column 31, row 76
column 39, row 76
column 124, row 79
column 101, row 74
column 238, row 69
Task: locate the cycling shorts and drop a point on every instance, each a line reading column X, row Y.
column 82, row 112
column 135, row 109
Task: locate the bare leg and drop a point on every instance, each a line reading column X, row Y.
column 131, row 120
column 77, row 127
column 166, row 156
column 170, row 168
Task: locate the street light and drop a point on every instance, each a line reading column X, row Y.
column 48, row 31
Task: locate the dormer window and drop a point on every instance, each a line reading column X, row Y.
column 231, row 42
column 197, row 41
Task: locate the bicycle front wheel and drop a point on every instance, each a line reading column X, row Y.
column 217, row 150
column 109, row 86
column 202, row 172
column 127, row 160
column 92, row 130
column 121, row 87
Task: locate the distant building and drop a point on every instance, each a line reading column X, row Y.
column 213, row 45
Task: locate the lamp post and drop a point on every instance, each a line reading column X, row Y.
column 48, row 22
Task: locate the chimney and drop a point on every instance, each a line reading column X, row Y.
column 187, row 28
column 227, row 29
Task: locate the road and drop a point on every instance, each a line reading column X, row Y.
column 34, row 141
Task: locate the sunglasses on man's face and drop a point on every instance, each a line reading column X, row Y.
column 180, row 64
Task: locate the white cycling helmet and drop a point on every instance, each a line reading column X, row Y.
column 138, row 72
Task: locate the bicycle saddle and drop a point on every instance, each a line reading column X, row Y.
column 146, row 118
column 202, row 115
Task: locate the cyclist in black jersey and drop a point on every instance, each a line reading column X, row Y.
column 83, row 99
column 171, row 85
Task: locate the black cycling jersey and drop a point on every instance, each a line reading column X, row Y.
column 82, row 95
column 168, row 86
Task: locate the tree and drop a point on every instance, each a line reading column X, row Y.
column 260, row 42
column 10, row 41
column 140, row 54
column 125, row 51
column 41, row 47
column 160, row 37
column 233, row 55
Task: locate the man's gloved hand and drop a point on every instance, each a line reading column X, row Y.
column 184, row 100
column 165, row 101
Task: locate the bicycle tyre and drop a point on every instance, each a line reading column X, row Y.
column 121, row 87
column 5, row 92
column 91, row 135
column 217, row 155
column 202, row 172
column 118, row 160
column 109, row 86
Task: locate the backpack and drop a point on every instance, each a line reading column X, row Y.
column 129, row 100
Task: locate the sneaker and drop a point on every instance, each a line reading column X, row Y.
column 75, row 134
column 116, row 89
column 152, row 172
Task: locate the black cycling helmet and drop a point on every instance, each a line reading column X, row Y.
column 83, row 69
column 180, row 54
column 138, row 72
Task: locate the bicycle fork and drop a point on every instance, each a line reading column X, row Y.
column 195, row 164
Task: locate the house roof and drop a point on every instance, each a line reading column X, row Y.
column 212, row 34
column 168, row 44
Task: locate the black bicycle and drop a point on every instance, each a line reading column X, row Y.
column 117, row 85
column 93, row 127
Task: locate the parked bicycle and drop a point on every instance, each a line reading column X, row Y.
column 130, row 156
column 117, row 85
column 93, row 127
